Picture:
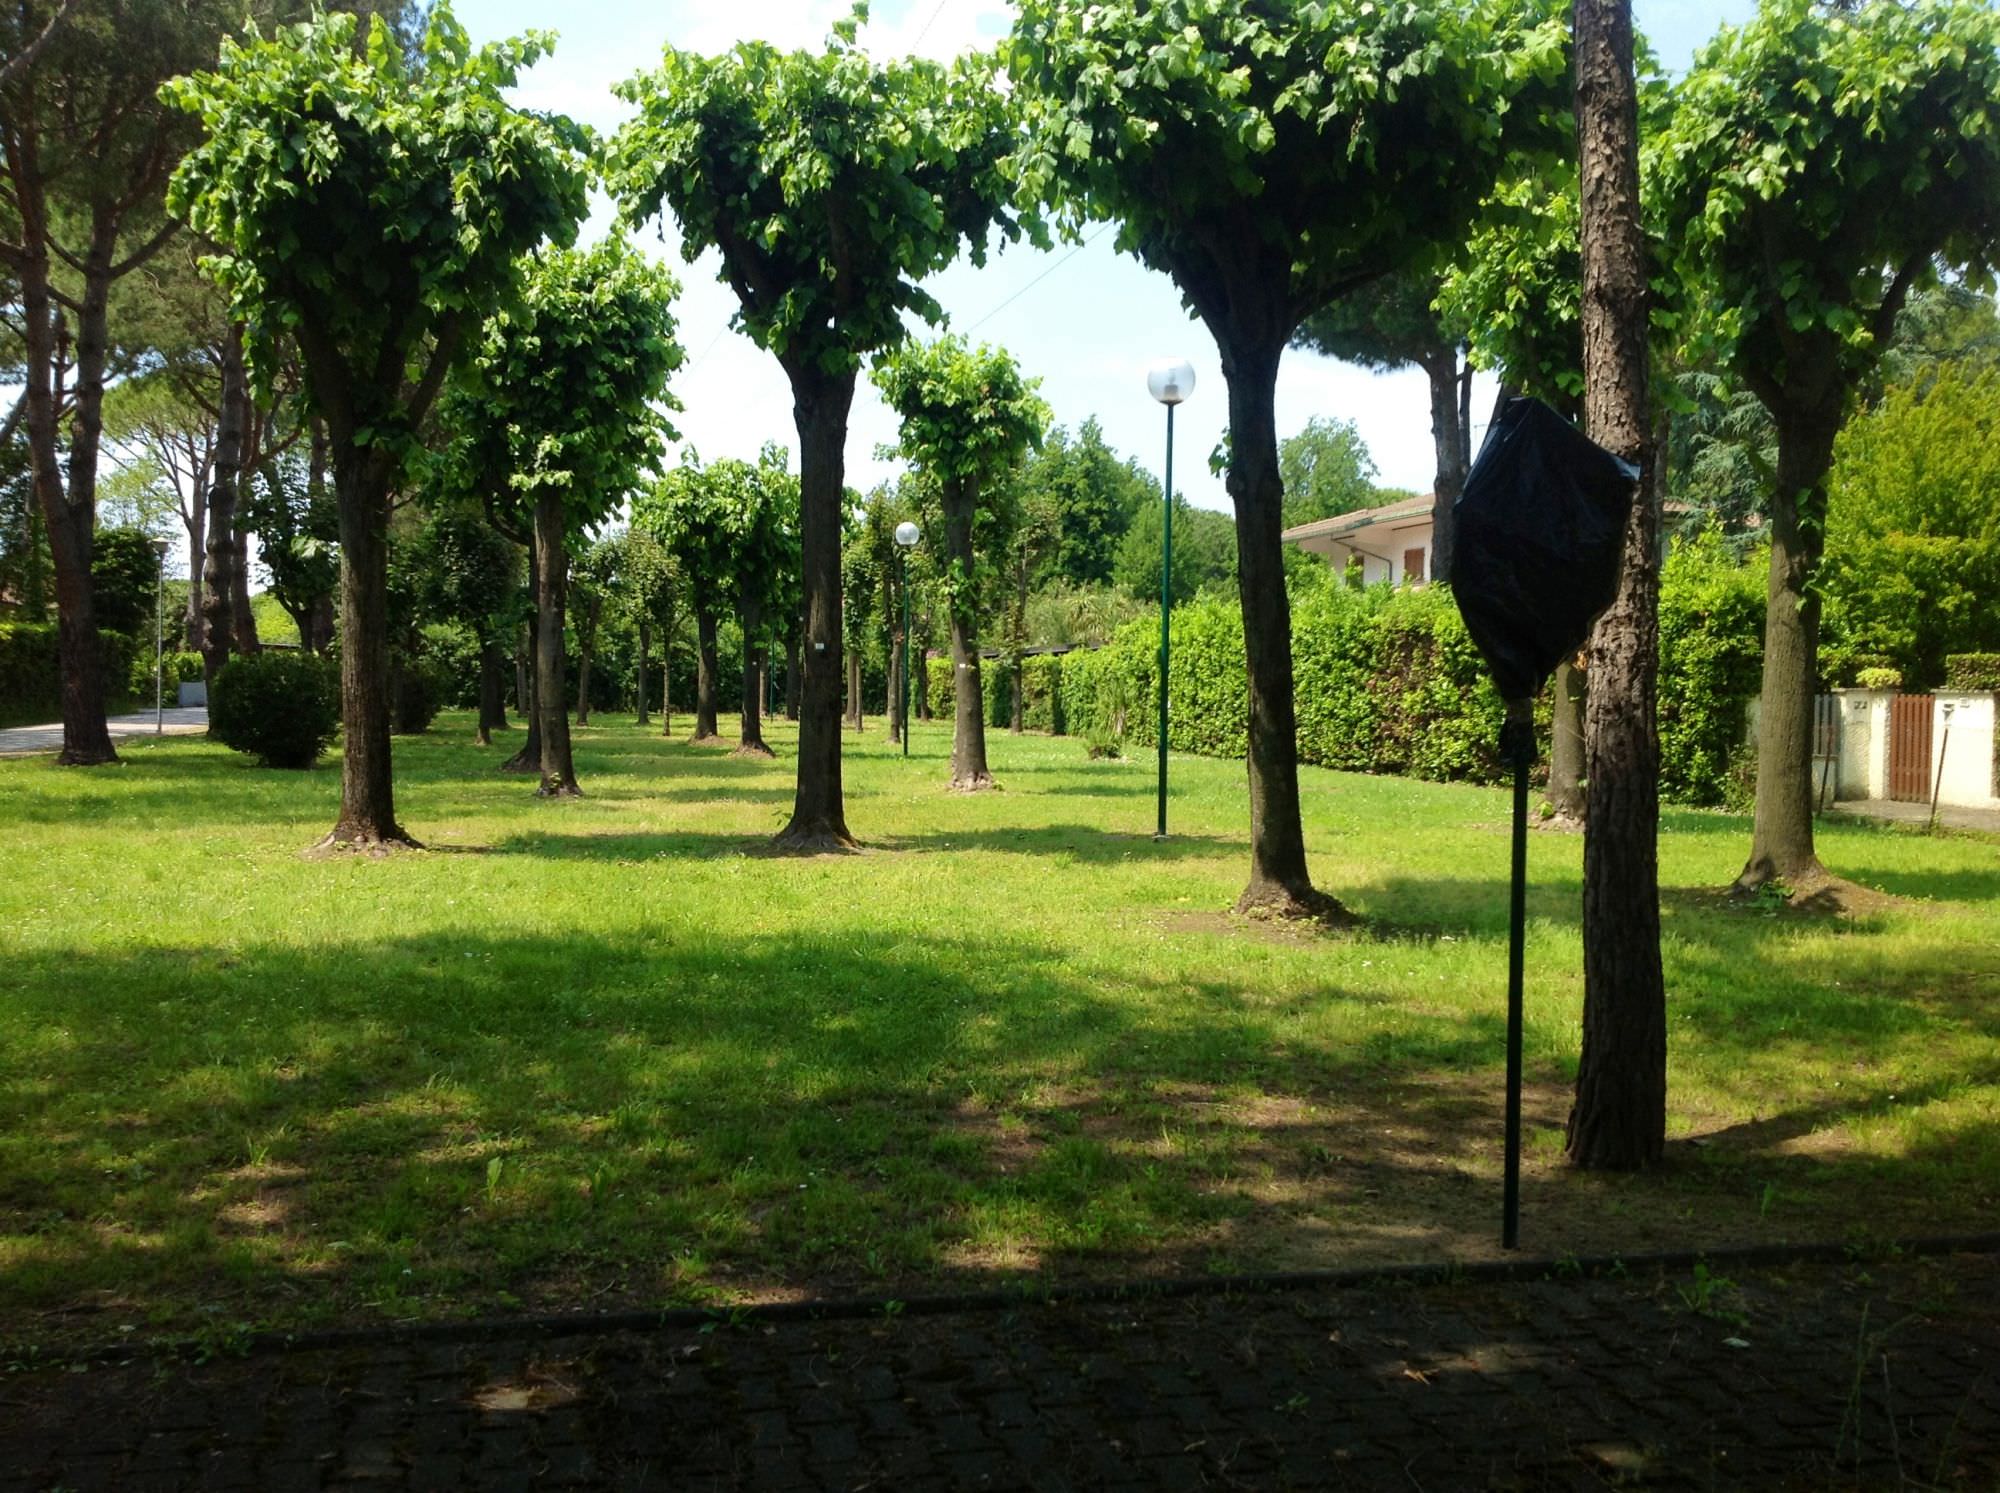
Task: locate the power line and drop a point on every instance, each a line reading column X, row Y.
column 929, row 25
column 1050, row 270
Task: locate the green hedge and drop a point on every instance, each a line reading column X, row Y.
column 1711, row 666
column 1972, row 671
column 1387, row 680
column 31, row 670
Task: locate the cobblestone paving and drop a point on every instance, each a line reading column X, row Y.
column 1809, row 1378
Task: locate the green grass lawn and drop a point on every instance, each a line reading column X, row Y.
column 609, row 1052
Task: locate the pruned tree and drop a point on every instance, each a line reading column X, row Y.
column 1822, row 163
column 372, row 201
column 1269, row 185
column 967, row 418
column 558, row 422
column 831, row 185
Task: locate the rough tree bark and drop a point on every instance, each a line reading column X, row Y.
column 1449, row 437
column 528, row 696
column 667, row 688
column 551, row 584
column 820, row 404
column 367, row 819
column 969, row 772
column 854, row 689
column 1619, row 1117
column 750, row 735
column 707, row 664
column 197, row 533
column 793, row 681
column 1564, row 794
column 218, row 571
column 69, row 516
column 1781, row 839
column 1279, row 883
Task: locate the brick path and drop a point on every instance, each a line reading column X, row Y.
column 1845, row 1377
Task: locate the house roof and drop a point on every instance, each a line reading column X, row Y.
column 1361, row 518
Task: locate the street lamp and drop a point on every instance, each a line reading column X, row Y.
column 907, row 535
column 1170, row 381
column 160, row 638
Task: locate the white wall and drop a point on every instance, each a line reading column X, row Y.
column 1968, row 755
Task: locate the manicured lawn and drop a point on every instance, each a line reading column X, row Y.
column 609, row 1053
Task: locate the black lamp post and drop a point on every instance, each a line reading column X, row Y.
column 907, row 535
column 1170, row 382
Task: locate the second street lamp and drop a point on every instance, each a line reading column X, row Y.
column 1169, row 381
column 906, row 540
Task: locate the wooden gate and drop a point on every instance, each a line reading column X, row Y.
column 1910, row 749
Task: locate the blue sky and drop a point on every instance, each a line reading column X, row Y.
column 1087, row 323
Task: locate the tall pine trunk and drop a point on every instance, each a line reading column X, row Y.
column 707, row 663
column 1279, row 883
column 750, row 735
column 1620, row 1114
column 969, row 772
column 367, row 787
column 197, row 535
column 1781, row 839
column 70, row 517
column 244, row 621
column 218, row 571
column 820, row 403
column 551, row 585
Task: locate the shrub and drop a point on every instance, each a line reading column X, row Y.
column 177, row 667
column 1883, row 678
column 281, row 708
column 1711, row 665
column 417, row 687
column 938, row 690
column 1972, row 671
column 1041, row 693
column 31, row 669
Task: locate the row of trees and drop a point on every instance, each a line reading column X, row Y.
column 374, row 205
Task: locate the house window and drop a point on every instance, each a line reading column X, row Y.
column 1413, row 566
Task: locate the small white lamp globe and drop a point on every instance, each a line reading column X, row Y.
column 906, row 534
column 1170, row 380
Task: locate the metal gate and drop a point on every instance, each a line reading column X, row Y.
column 1910, row 749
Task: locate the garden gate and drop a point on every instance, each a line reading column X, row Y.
column 1910, row 749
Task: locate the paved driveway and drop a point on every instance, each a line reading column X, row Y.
column 26, row 741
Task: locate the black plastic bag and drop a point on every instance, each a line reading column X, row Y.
column 1535, row 557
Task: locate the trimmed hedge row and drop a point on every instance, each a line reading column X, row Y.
column 1389, row 681
column 31, row 669
column 1972, row 671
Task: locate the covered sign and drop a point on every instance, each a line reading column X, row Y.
column 1535, row 555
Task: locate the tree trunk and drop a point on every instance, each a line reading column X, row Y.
column 367, row 786
column 1781, row 841
column 492, row 691
column 70, row 517
column 1448, row 441
column 819, row 407
column 218, row 571
column 645, row 685
column 245, row 618
column 1279, row 883
column 894, row 710
column 529, row 758
column 854, row 715
column 750, row 736
column 792, row 679
column 524, row 665
column 1565, row 792
column 1620, row 1115
column 969, row 773
column 197, row 552
column 587, row 653
column 707, row 663
column 667, row 687
column 551, row 585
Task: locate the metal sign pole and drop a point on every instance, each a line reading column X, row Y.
column 1517, row 744
column 1166, row 617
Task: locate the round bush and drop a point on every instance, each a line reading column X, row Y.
column 281, row 708
column 416, row 694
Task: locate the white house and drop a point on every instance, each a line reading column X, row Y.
column 1393, row 542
